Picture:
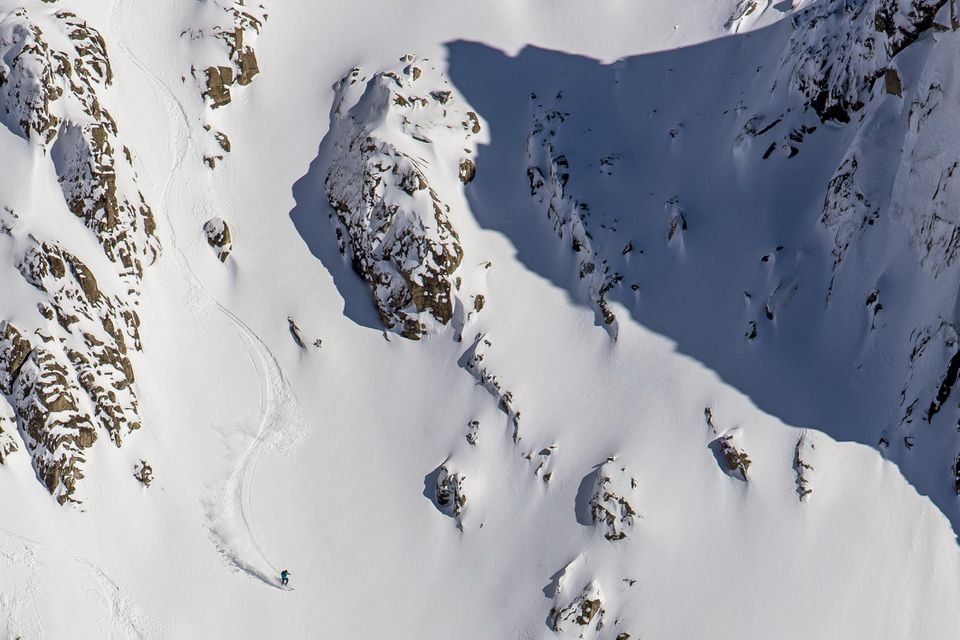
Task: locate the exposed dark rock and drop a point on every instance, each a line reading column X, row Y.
column 736, row 461
column 802, row 454
column 219, row 237
column 612, row 500
column 143, row 472
column 451, row 491
column 838, row 50
column 586, row 609
column 395, row 224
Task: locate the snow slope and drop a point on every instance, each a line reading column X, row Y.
column 681, row 388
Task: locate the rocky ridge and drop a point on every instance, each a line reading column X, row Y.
column 68, row 375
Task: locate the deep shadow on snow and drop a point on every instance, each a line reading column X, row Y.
column 655, row 133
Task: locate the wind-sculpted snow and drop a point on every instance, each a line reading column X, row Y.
column 78, row 377
column 400, row 136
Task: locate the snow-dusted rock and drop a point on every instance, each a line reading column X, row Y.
column 451, row 491
column 237, row 26
column 143, row 472
column 218, row 237
column 612, row 502
column 734, row 458
column 393, row 205
column 802, row 465
column 475, row 364
column 548, row 172
column 51, row 90
column 581, row 615
column 839, row 49
column 53, row 424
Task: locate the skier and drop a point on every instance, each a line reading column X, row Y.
column 285, row 577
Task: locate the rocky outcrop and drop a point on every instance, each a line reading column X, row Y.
column 45, row 396
column 51, row 89
column 237, row 31
column 612, row 501
column 393, row 219
column 585, row 612
column 67, row 372
column 839, row 49
column 802, row 467
column 735, row 460
column 143, row 472
column 218, row 237
column 451, row 491
column 475, row 364
column 548, row 172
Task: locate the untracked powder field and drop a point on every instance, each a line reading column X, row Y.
column 520, row 319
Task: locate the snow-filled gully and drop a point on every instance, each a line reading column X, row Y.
column 229, row 511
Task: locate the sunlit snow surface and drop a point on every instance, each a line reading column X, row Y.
column 324, row 460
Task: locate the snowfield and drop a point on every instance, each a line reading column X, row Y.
column 522, row 319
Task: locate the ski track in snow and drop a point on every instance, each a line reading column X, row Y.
column 281, row 424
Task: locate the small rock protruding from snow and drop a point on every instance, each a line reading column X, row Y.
column 218, row 237
column 451, row 491
column 802, row 455
column 612, row 501
column 467, row 171
column 143, row 472
column 583, row 612
column 296, row 334
column 735, row 459
column 473, row 433
column 678, row 221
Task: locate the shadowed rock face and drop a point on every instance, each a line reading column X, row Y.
column 836, row 53
column 68, row 377
column 394, row 219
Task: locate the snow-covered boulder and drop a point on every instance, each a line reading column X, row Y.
column 582, row 614
column 218, row 237
column 451, row 491
column 143, row 472
column 612, row 501
column 729, row 451
column 398, row 141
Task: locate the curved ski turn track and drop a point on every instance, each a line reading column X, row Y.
column 230, row 524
